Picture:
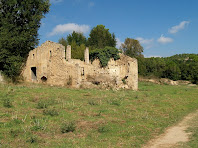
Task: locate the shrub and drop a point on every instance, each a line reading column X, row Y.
column 15, row 133
column 103, row 129
column 124, row 81
column 115, row 102
column 51, row 112
column 32, row 139
column 68, row 127
column 42, row 104
column 92, row 102
column 7, row 103
column 104, row 55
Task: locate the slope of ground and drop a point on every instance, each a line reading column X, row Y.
column 43, row 116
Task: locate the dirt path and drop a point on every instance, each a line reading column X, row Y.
column 173, row 135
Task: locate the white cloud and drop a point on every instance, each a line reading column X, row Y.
column 179, row 27
column 147, row 42
column 70, row 27
column 164, row 40
column 118, row 43
column 55, row 1
column 91, row 4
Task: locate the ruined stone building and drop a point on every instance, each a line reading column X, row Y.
column 49, row 64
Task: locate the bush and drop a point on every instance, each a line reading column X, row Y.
column 51, row 112
column 32, row 139
column 7, row 103
column 92, row 102
column 14, row 132
column 42, row 104
column 103, row 129
column 104, row 55
column 68, row 127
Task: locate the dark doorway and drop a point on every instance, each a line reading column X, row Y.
column 43, row 79
column 33, row 73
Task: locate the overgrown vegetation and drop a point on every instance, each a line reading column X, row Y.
column 104, row 55
column 177, row 67
column 99, row 38
column 68, row 127
column 90, row 118
column 20, row 21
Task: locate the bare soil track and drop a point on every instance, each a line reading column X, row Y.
column 173, row 135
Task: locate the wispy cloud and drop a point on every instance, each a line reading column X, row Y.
column 118, row 43
column 68, row 28
column 165, row 40
column 147, row 42
column 179, row 27
column 55, row 1
column 91, row 4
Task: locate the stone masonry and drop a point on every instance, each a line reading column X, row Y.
column 48, row 64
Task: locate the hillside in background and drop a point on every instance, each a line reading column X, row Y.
column 177, row 67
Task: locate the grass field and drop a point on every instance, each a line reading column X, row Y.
column 43, row 116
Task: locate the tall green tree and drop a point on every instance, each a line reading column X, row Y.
column 100, row 37
column 63, row 41
column 20, row 21
column 78, row 44
column 79, row 38
column 132, row 48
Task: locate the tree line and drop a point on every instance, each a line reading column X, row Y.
column 102, row 45
column 177, row 67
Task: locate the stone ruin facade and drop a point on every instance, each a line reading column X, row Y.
column 50, row 64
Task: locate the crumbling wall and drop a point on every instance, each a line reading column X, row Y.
column 53, row 67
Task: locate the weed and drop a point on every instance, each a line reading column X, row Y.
column 124, row 81
column 68, row 127
column 14, row 133
column 17, row 121
column 7, row 103
column 136, row 97
column 51, row 112
column 92, row 102
column 42, row 105
column 115, row 102
column 37, row 125
column 69, row 82
column 103, row 129
column 32, row 139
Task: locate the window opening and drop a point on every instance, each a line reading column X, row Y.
column 33, row 73
column 43, row 79
column 82, row 71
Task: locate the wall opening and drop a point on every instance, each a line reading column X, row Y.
column 33, row 73
column 43, row 79
column 82, row 71
column 50, row 53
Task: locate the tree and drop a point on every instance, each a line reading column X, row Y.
column 79, row 38
column 63, row 41
column 104, row 55
column 100, row 37
column 132, row 48
column 78, row 44
column 20, row 21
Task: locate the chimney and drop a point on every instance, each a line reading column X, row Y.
column 68, row 52
column 86, row 55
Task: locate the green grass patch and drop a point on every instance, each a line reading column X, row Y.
column 43, row 116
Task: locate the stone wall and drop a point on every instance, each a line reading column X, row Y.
column 48, row 64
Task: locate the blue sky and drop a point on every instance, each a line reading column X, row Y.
column 163, row 27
